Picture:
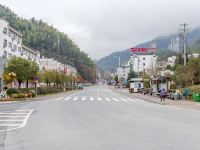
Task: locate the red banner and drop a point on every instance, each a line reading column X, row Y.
column 143, row 50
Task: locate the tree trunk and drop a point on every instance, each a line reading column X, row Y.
column 27, row 83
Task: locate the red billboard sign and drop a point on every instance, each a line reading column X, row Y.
column 143, row 50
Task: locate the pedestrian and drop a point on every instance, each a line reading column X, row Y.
column 160, row 92
column 164, row 94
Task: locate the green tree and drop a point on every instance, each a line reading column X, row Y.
column 116, row 79
column 194, row 68
column 21, row 67
column 132, row 74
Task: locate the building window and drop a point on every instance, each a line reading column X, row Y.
column 5, row 30
column 10, row 45
column 14, row 47
column 144, row 64
column 19, row 49
column 5, row 43
column 9, row 55
column 5, row 54
column 144, row 58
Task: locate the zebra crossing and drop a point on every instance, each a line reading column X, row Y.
column 14, row 120
column 108, row 99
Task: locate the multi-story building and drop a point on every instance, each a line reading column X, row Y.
column 11, row 44
column 143, row 63
column 10, row 40
column 171, row 61
column 123, row 72
column 70, row 70
column 30, row 54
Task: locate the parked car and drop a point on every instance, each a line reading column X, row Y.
column 80, row 86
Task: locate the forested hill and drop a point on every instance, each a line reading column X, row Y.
column 51, row 42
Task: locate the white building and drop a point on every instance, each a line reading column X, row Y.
column 144, row 62
column 71, row 70
column 10, row 40
column 11, row 44
column 123, row 71
column 175, row 44
column 194, row 55
column 51, row 64
column 171, row 61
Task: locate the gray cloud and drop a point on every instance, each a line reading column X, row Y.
column 100, row 27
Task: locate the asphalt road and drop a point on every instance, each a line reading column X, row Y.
column 97, row 119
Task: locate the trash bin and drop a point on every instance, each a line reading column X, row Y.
column 196, row 97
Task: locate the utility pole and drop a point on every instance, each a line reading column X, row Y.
column 119, row 59
column 183, row 32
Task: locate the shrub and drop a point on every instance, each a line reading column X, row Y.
column 14, row 95
column 49, row 90
column 21, row 95
column 11, row 91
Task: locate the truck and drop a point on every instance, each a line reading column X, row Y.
column 135, row 85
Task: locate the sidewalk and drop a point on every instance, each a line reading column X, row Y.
column 155, row 99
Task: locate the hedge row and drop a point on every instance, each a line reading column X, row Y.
column 49, row 90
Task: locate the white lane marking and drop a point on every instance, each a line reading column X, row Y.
column 99, row 98
column 131, row 99
column 59, row 98
column 10, row 120
column 107, row 99
column 139, row 100
column 115, row 99
column 66, row 99
column 6, row 113
column 75, row 98
column 12, row 116
column 83, row 98
column 13, row 126
column 91, row 98
column 9, row 125
column 123, row 99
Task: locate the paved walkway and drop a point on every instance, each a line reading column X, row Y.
column 156, row 99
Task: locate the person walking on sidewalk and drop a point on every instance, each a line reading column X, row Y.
column 164, row 94
column 160, row 92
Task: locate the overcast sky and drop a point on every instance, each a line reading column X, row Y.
column 101, row 27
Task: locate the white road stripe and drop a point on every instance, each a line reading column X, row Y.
column 91, row 98
column 59, row 98
column 123, row 99
column 75, row 98
column 131, row 99
column 99, row 98
column 107, row 99
column 66, row 99
column 83, row 98
column 139, row 100
column 13, row 122
column 12, row 116
column 9, row 125
column 115, row 99
column 10, row 120
column 6, row 113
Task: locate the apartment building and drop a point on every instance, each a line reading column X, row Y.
column 10, row 40
column 144, row 62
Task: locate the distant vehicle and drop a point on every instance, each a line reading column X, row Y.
column 80, row 86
